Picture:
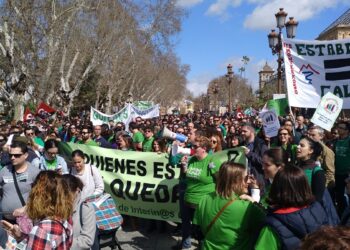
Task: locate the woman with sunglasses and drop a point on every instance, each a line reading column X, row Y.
column 50, row 160
column 200, row 180
column 285, row 141
column 216, row 143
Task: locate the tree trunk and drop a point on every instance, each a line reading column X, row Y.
column 18, row 107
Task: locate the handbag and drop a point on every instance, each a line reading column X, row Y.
column 217, row 215
column 107, row 214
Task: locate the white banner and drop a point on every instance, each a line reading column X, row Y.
column 271, row 124
column 327, row 111
column 314, row 68
column 125, row 115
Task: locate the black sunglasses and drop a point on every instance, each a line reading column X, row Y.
column 15, row 155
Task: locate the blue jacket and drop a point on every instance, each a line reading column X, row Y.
column 60, row 162
column 292, row 227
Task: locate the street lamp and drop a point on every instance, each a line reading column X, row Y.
column 275, row 40
column 229, row 77
column 215, row 92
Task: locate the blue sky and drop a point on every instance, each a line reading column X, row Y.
column 219, row 32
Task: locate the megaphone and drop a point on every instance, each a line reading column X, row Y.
column 176, row 149
column 169, row 134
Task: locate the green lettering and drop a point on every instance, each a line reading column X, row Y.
column 330, row 49
column 337, row 91
column 323, row 89
column 320, row 47
column 339, row 49
column 300, row 48
column 346, row 91
column 310, row 51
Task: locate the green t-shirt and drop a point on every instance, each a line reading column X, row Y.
column 51, row 165
column 138, row 137
column 89, row 142
column 199, row 178
column 39, row 141
column 268, row 239
column 234, row 228
column 147, row 144
column 342, row 156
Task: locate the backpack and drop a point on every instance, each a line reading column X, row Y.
column 326, row 202
column 96, row 244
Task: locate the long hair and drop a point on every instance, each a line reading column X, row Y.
column 50, row 197
column 316, row 148
column 290, row 188
column 230, row 179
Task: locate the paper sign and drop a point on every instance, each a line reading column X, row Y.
column 327, row 111
column 271, row 123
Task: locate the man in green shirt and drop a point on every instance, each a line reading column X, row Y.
column 342, row 163
column 86, row 139
column 137, row 136
column 148, row 140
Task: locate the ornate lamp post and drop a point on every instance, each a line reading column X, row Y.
column 229, row 77
column 275, row 40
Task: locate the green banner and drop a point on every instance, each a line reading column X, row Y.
column 279, row 105
column 143, row 104
column 143, row 184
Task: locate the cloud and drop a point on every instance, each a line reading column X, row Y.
column 220, row 7
column 263, row 16
column 199, row 84
column 188, row 3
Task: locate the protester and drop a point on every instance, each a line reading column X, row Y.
column 326, row 159
column 16, row 180
column 285, row 141
column 226, row 220
column 50, row 206
column 308, row 153
column 200, row 181
column 50, row 160
column 294, row 212
column 99, row 139
column 88, row 174
column 86, row 137
column 342, row 163
column 327, row 238
column 84, row 219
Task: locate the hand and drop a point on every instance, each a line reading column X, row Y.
column 184, row 159
column 12, row 229
column 246, row 150
column 246, row 198
column 19, row 211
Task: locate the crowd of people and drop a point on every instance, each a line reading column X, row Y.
column 294, row 185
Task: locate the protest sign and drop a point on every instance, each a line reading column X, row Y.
column 143, row 184
column 327, row 111
column 125, row 115
column 280, row 106
column 314, row 68
column 142, row 105
column 271, row 124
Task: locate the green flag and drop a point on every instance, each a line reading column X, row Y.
column 279, row 105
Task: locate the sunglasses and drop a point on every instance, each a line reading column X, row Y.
column 214, row 142
column 29, row 134
column 84, row 133
column 148, row 131
column 15, row 155
column 195, row 146
column 283, row 134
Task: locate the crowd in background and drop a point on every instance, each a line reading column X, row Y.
column 293, row 185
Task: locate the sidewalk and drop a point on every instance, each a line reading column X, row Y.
column 142, row 239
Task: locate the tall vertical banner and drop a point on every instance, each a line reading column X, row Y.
column 314, row 68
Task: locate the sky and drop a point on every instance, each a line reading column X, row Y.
column 220, row 32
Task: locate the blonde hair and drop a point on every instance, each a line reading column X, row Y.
column 204, row 142
column 50, row 197
column 230, row 179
